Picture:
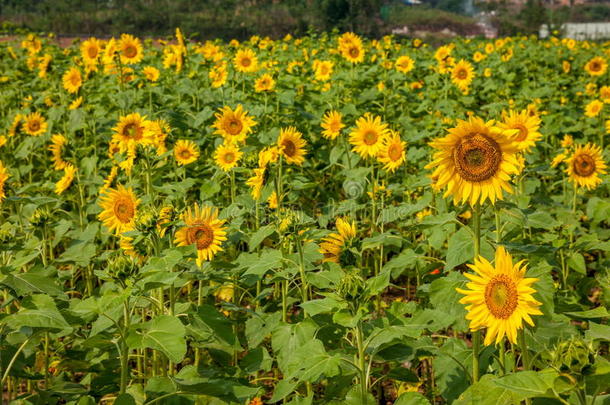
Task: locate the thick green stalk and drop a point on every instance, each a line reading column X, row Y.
column 476, row 335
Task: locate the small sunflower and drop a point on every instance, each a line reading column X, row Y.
column 596, row 66
column 526, row 127
column 245, row 61
column 18, row 120
column 204, row 230
column 499, row 297
column 3, row 177
column 335, row 246
column 227, row 156
column 367, row 138
column 57, row 144
column 323, row 70
column 585, row 165
column 291, row 145
column 392, row 153
column 185, row 152
column 35, row 124
column 76, row 103
column 462, row 74
column 257, row 182
column 72, row 80
column 593, row 108
column 130, row 49
column 90, row 50
column 65, row 182
column 151, row 73
column 129, row 131
column 119, row 209
column 264, row 83
column 474, row 162
column 332, row 124
column 350, row 46
column 233, row 125
column 404, row 64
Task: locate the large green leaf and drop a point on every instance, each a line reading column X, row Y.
column 164, row 333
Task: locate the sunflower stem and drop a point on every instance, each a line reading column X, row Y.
column 525, row 355
column 476, row 335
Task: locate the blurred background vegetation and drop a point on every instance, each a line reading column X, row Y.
column 240, row 19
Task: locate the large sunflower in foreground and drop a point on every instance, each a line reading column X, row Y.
column 404, row 64
column 367, row 137
column 90, row 50
column 204, row 230
column 499, row 297
column 350, row 46
column 585, row 165
column 130, row 49
column 3, row 177
column 233, row 125
column 35, row 124
column 474, row 162
column 291, row 145
column 119, row 209
column 334, row 246
column 227, row 156
column 527, row 127
column 462, row 74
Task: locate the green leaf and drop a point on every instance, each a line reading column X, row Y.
column 542, row 220
column 209, row 324
column 576, row 261
column 79, row 253
column 324, row 305
column 260, row 235
column 599, row 312
column 164, row 333
column 260, row 326
column 258, row 265
column 460, row 248
column 412, row 398
column 598, row 331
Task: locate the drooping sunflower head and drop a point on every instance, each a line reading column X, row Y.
column 404, row 64
column 129, row 130
column 585, row 165
column 462, row 74
column 245, row 61
column 227, row 156
column 3, row 177
column 185, row 152
column 233, row 125
column 57, row 144
column 16, row 124
column 392, row 153
column 204, row 230
column 119, row 209
column 91, row 50
column 332, row 124
column 474, row 162
column 65, row 182
column 524, row 126
column 130, row 49
column 264, row 83
column 35, row 124
column 291, row 145
column 257, row 182
column 368, row 135
column 336, row 246
column 72, row 80
column 499, row 297
column 596, row 66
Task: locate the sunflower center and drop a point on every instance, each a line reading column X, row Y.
column 289, row 148
column 245, row 62
column 74, row 79
column 370, row 137
column 229, row 157
column 323, row 70
column 354, row 52
column 34, row 125
column 501, row 296
column 395, row 152
column 123, row 210
column 132, row 131
column 584, row 165
column 522, row 132
column 185, row 153
column 92, row 52
column 335, row 126
column 130, row 51
column 202, row 235
column 234, row 126
column 462, row 74
column 477, row 157
column 595, row 66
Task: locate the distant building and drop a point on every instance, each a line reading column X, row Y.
column 581, row 31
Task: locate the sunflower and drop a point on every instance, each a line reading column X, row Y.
column 270, row 154
column 585, row 165
column 227, row 156
column 257, row 182
column 72, row 80
column 404, row 64
column 332, row 124
column 119, row 209
column 353, row 52
column 462, row 74
column 233, row 125
column 204, row 230
column 474, row 161
column 499, row 297
column 16, row 124
column 367, row 138
column 527, row 128
column 156, row 133
column 57, row 144
column 264, row 83
column 90, row 50
column 291, row 145
column 35, row 124
column 566, row 66
column 323, row 70
column 335, row 246
column 65, row 182
column 245, row 61
column 218, row 75
column 185, row 152
column 76, row 103
column 151, row 73
column 392, row 153
column 596, row 66
column 3, row 177
column 129, row 130
column 130, row 49
column 593, row 108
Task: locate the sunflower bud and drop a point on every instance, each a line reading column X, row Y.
column 574, row 356
column 352, row 285
column 39, row 217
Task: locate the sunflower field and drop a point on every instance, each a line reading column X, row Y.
column 316, row 220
